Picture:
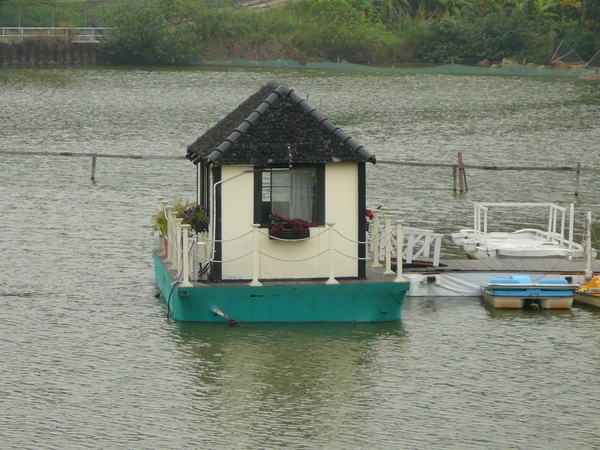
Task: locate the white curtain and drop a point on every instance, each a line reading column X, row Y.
column 302, row 192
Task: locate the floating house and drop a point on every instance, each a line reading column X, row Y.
column 274, row 164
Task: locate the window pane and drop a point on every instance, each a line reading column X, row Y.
column 280, row 192
column 290, row 192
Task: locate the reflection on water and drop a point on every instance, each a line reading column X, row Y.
column 89, row 359
column 290, row 383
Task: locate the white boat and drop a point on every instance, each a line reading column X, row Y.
column 479, row 243
column 520, row 291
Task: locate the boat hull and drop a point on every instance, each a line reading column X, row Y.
column 587, row 299
column 590, row 293
column 285, row 302
column 518, row 291
column 500, row 301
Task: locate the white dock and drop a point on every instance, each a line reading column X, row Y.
column 464, row 277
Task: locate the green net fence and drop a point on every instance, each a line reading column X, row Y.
column 457, row 69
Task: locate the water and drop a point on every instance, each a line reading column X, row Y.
column 89, row 359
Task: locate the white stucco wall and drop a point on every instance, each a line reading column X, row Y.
column 341, row 199
column 237, row 212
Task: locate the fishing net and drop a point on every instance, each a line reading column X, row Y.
column 454, row 69
column 595, row 61
column 564, row 53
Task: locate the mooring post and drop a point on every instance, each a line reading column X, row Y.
column 462, row 177
column 94, row 158
column 577, row 175
column 454, row 175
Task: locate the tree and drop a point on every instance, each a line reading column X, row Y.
column 160, row 32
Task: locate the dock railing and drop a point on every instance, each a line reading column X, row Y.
column 416, row 242
column 480, row 218
column 190, row 254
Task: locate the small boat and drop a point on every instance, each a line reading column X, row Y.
column 519, row 291
column 272, row 162
column 590, row 293
column 479, row 243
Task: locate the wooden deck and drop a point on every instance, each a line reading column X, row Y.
column 516, row 265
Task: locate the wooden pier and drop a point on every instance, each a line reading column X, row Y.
column 515, row 265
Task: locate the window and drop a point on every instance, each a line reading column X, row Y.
column 296, row 193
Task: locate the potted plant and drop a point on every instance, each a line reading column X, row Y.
column 277, row 221
column 196, row 217
column 160, row 224
column 192, row 214
column 299, row 224
column 287, row 229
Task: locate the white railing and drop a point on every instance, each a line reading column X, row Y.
column 416, row 243
column 88, row 34
column 480, row 217
column 382, row 241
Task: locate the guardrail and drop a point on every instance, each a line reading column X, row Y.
column 88, row 34
column 386, row 242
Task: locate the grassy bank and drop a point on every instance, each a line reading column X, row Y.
column 358, row 31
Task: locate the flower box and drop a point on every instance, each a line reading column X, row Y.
column 289, row 234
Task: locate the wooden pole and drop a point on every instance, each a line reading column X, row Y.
column 462, row 178
column 94, row 158
column 577, row 175
column 454, row 175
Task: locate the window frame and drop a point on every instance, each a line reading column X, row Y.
column 261, row 216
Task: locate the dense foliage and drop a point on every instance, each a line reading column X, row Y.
column 360, row 31
column 152, row 34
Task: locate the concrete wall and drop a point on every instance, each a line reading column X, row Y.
column 48, row 53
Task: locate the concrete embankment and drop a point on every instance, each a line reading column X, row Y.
column 37, row 52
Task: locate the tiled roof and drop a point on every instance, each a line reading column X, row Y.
column 276, row 126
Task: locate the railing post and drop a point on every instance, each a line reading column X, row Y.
column 331, row 279
column 400, row 241
column 255, row 255
column 170, row 250
column 161, row 239
column 589, row 273
column 571, row 219
column 177, row 256
column 185, row 259
column 437, row 250
column 388, row 245
column 376, row 262
column 410, row 247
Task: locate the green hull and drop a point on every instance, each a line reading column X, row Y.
column 356, row 302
